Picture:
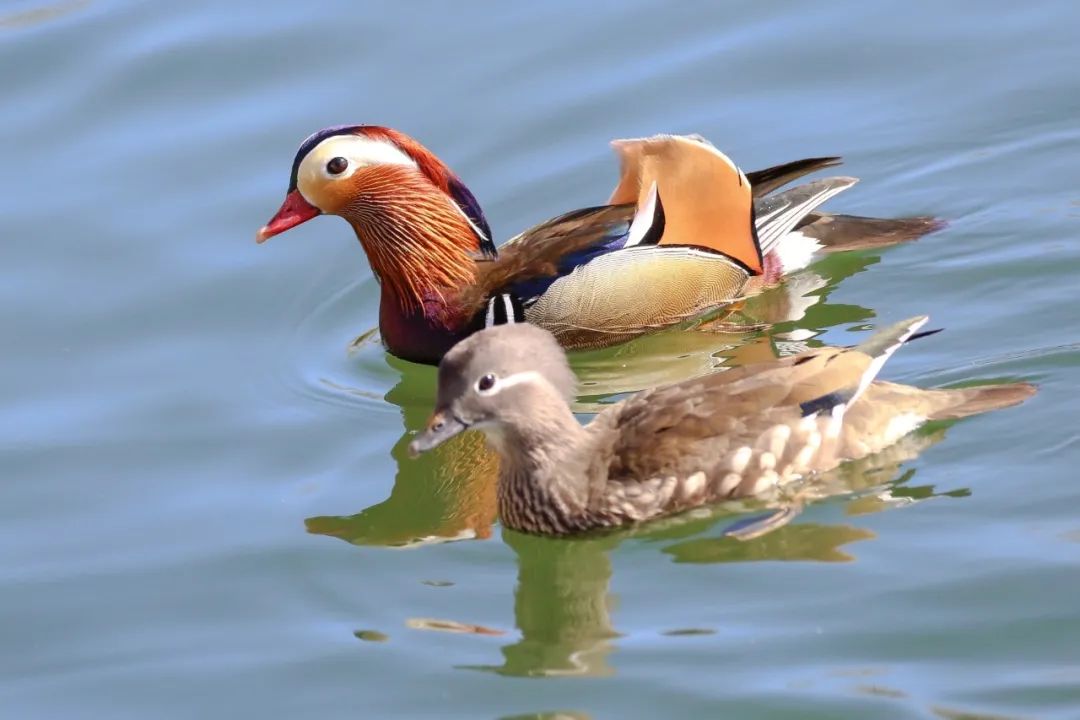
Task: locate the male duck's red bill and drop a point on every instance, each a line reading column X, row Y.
column 294, row 211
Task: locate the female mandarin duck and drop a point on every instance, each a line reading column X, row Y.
column 748, row 431
column 684, row 232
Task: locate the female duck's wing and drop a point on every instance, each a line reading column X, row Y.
column 740, row 431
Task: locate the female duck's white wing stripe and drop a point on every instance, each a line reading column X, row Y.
column 881, row 347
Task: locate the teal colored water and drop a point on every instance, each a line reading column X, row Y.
column 201, row 480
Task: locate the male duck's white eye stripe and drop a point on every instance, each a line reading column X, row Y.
column 358, row 150
column 362, row 151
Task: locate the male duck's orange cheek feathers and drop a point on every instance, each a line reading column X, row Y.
column 294, row 211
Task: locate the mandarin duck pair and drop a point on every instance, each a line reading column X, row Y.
column 685, row 232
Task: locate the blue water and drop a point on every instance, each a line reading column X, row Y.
column 202, row 482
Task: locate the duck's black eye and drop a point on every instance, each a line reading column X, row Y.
column 337, row 166
column 485, row 383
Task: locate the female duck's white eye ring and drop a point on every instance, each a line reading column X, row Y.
column 486, row 384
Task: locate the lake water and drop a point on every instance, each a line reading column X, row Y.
column 205, row 496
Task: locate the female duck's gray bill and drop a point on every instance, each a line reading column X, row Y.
column 441, row 427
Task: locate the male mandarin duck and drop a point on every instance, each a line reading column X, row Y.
column 749, row 431
column 684, row 232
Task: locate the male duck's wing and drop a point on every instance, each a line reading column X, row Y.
column 677, row 247
column 772, row 178
column 602, row 275
column 703, row 190
column 606, row 280
column 654, row 278
column 528, row 263
column 708, row 202
column 817, row 231
column 776, row 216
column 762, row 181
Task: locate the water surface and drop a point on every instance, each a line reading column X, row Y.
column 203, row 483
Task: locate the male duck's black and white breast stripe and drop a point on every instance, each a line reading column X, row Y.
column 504, row 309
